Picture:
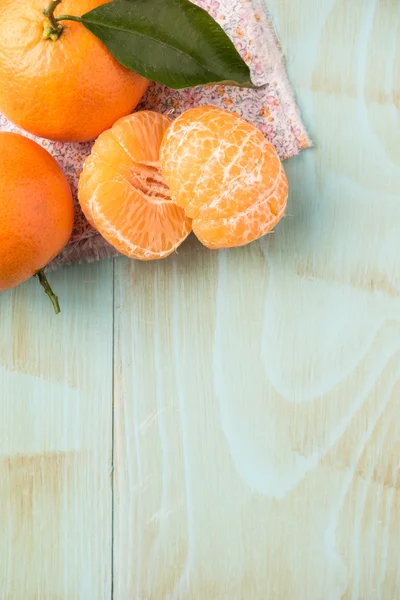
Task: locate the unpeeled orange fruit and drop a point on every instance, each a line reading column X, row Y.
column 36, row 209
column 123, row 195
column 70, row 89
column 225, row 175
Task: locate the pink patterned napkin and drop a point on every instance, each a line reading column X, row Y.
column 272, row 109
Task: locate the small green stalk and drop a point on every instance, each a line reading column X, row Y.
column 68, row 18
column 49, row 12
column 52, row 28
column 46, row 286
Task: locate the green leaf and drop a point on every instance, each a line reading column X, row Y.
column 173, row 42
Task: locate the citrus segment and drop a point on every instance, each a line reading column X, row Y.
column 225, row 175
column 138, row 226
column 246, row 226
column 107, row 161
column 123, row 194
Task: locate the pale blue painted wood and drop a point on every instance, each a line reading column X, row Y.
column 256, row 390
column 55, row 437
column 257, row 414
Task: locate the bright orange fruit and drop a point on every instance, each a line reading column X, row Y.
column 123, row 195
column 70, row 89
column 225, row 175
column 36, row 209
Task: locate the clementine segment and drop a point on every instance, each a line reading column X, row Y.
column 36, row 209
column 122, row 192
column 70, row 89
column 225, row 175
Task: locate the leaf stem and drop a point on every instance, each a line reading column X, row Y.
column 68, row 18
column 46, row 286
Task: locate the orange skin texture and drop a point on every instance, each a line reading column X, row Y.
column 225, row 175
column 36, row 209
column 69, row 90
column 123, row 195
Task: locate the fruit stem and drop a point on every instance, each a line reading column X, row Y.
column 49, row 13
column 52, row 28
column 46, row 286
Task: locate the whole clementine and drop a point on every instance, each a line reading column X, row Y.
column 36, row 209
column 225, row 175
column 67, row 87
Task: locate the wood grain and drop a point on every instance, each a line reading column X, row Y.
column 55, row 438
column 257, row 414
column 256, row 391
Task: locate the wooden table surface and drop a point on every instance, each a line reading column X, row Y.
column 226, row 426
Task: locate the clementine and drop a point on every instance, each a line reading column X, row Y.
column 123, row 195
column 67, row 87
column 225, row 175
column 36, row 210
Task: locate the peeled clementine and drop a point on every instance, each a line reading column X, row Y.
column 66, row 89
column 122, row 192
column 225, row 175
column 36, row 209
